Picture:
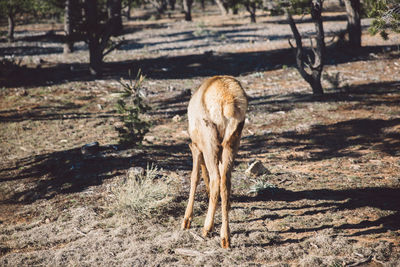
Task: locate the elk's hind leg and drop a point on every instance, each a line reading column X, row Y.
column 194, row 181
column 211, row 153
column 229, row 150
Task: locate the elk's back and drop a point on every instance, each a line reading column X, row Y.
column 218, row 100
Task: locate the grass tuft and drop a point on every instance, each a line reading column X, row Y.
column 142, row 196
column 261, row 186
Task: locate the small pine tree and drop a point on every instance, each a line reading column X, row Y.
column 131, row 106
column 386, row 14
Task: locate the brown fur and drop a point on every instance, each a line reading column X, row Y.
column 216, row 114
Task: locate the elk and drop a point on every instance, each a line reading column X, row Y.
column 216, row 115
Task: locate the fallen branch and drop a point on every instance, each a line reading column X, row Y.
column 196, row 236
column 112, row 48
column 378, row 261
column 188, row 252
column 368, row 259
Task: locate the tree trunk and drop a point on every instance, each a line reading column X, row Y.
column 128, row 11
column 11, row 27
column 221, row 7
column 315, row 83
column 187, row 8
column 316, row 15
column 95, row 58
column 160, row 6
column 353, row 22
column 315, row 65
column 114, row 15
column 171, row 4
column 93, row 39
column 68, row 42
column 251, row 8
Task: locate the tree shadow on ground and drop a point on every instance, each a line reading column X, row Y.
column 180, row 67
column 50, row 113
column 342, row 139
column 174, row 105
column 383, row 198
column 359, row 95
column 72, row 171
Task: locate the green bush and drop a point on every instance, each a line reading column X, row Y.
column 131, row 106
column 386, row 16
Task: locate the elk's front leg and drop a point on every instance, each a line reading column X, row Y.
column 194, row 181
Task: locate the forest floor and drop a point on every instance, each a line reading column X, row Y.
column 332, row 197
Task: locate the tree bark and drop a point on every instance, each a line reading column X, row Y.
column 128, row 11
column 160, row 5
column 222, row 7
column 353, row 22
column 93, row 39
column 97, row 37
column 11, row 27
column 316, row 15
column 315, row 65
column 114, row 8
column 187, row 8
column 251, row 8
column 95, row 58
column 68, row 21
column 171, row 4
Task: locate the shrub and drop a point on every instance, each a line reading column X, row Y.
column 143, row 195
column 131, row 107
column 261, row 186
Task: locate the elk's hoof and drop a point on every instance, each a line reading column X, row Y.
column 225, row 242
column 185, row 224
column 206, row 233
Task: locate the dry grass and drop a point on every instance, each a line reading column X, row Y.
column 143, row 195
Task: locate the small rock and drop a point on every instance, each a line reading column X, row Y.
column 22, row 92
column 149, row 138
column 177, row 118
column 257, row 169
column 90, row 149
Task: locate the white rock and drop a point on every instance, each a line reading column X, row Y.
column 176, row 118
column 257, row 169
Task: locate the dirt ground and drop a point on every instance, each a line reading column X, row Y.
column 332, row 197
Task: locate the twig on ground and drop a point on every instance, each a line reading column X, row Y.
column 196, row 236
column 188, row 252
column 378, row 261
column 80, row 232
column 368, row 259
